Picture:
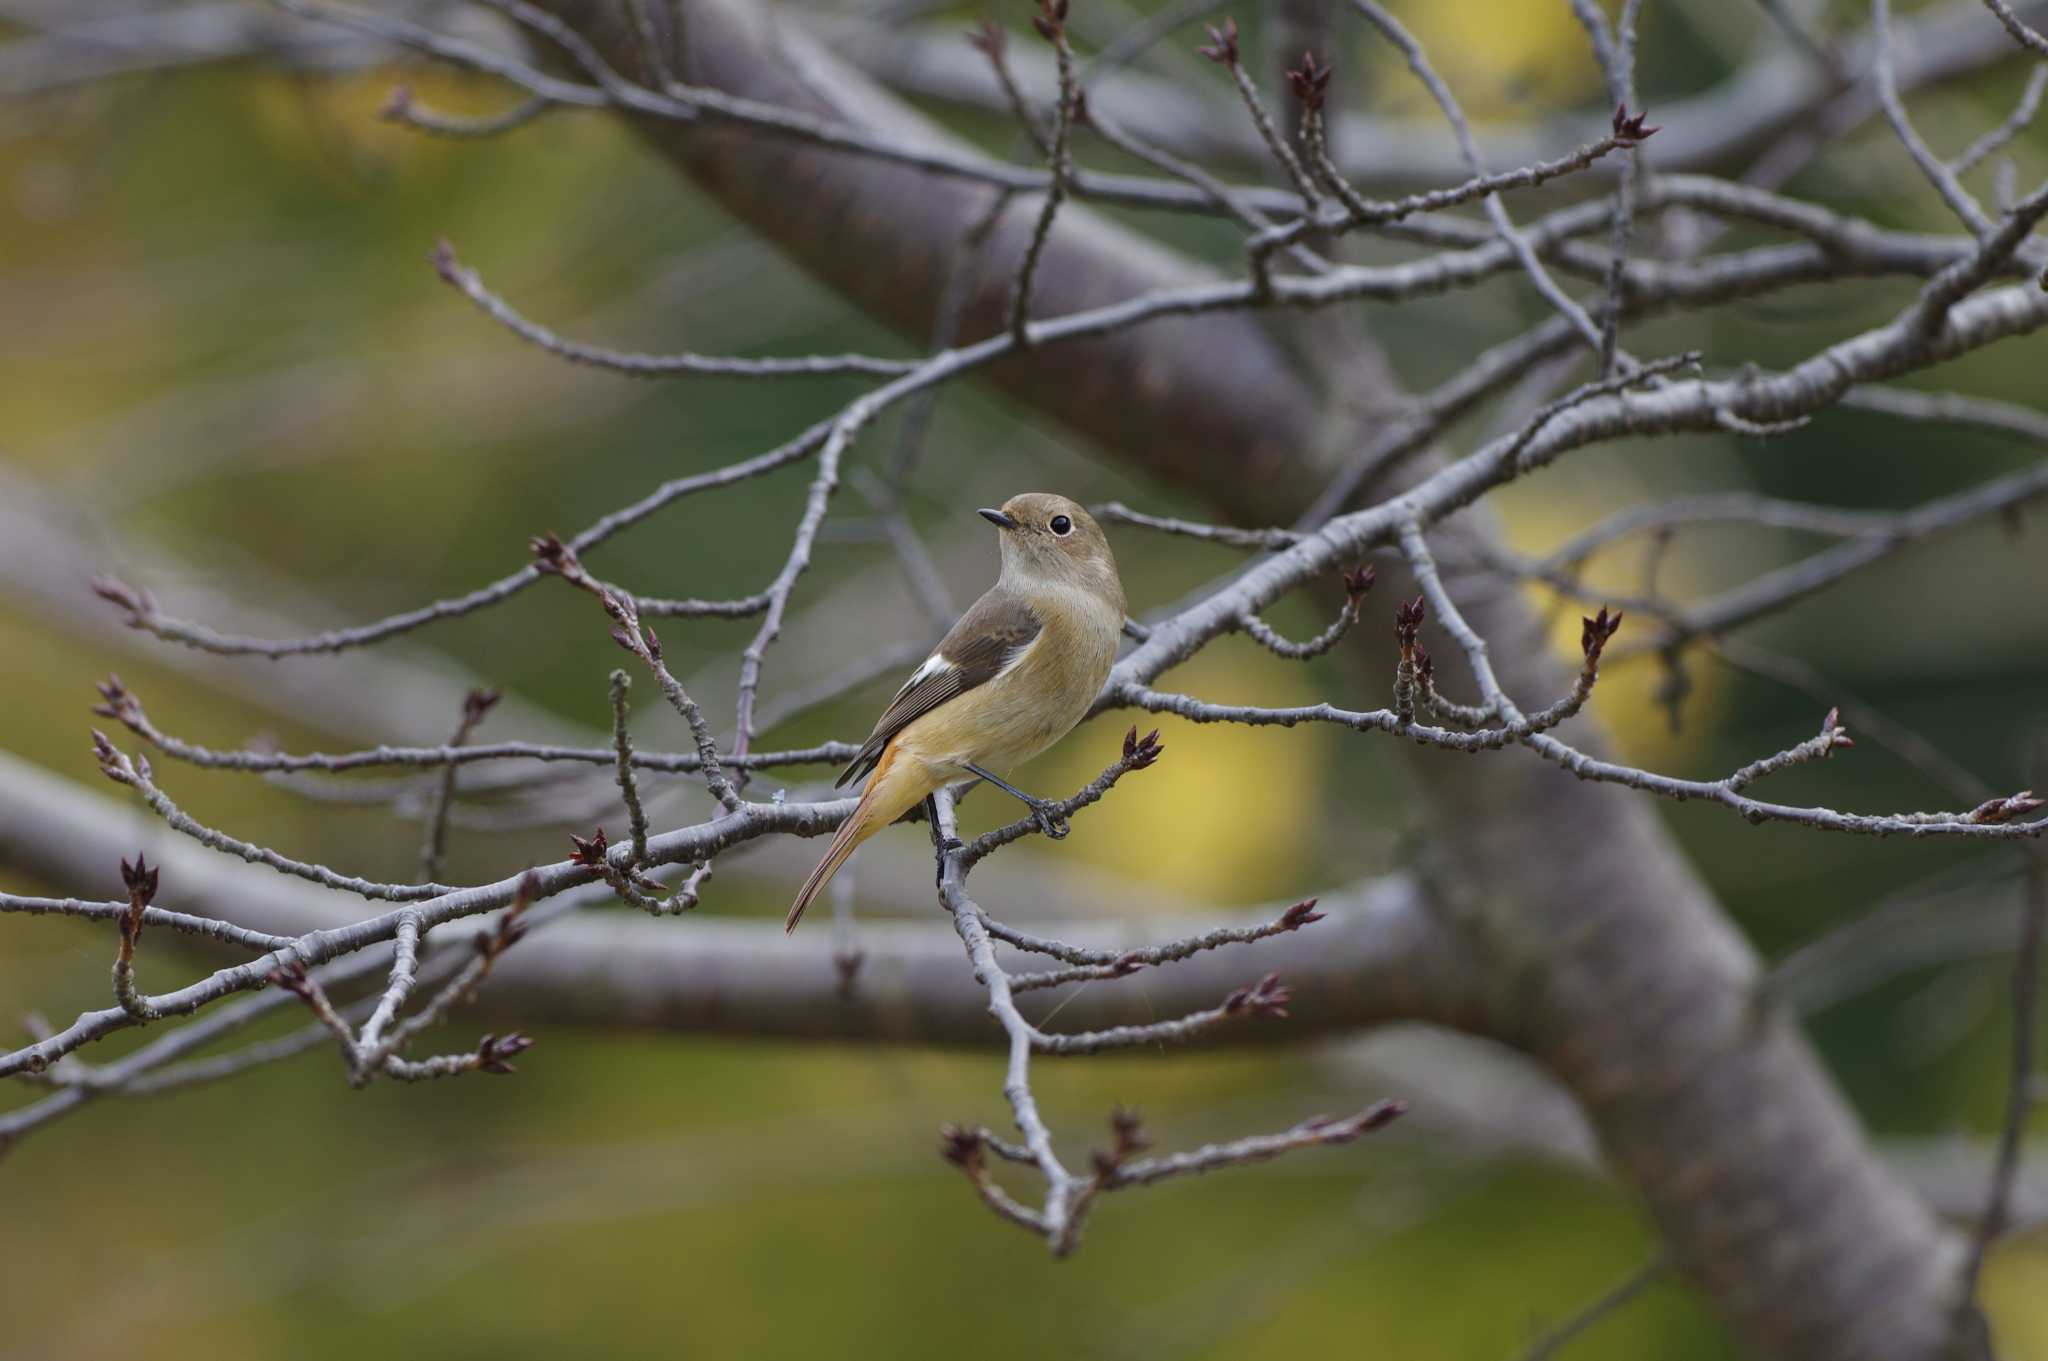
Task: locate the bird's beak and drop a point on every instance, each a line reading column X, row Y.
column 997, row 518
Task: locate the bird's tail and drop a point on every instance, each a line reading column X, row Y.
column 892, row 790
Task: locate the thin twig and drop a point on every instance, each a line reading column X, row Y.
column 2015, row 123
column 2020, row 1097
column 1222, row 49
column 1051, row 22
column 1356, row 584
column 1624, row 93
column 2021, row 33
column 213, row 928
column 1553, row 1338
column 466, row 281
column 403, row 108
column 122, row 704
column 622, row 748
column 554, row 557
column 475, row 705
column 992, row 42
column 1496, row 211
column 136, row 774
column 1960, row 201
column 141, row 882
column 371, row 1047
column 141, row 611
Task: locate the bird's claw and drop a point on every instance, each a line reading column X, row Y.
column 1049, row 822
column 946, row 846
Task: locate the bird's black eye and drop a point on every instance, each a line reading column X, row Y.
column 1061, row 525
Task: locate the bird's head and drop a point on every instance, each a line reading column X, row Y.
column 1048, row 540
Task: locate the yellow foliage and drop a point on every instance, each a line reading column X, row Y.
column 347, row 110
column 1626, row 703
column 1229, row 809
column 1499, row 56
column 2015, row 1284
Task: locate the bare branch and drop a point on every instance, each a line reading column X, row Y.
column 1360, row 212
column 125, row 706
column 1051, row 24
column 1116, row 512
column 1222, row 49
column 475, row 705
column 622, row 747
column 141, row 883
column 1138, row 754
column 2020, row 1095
column 1944, row 180
column 1312, row 1133
column 466, row 281
column 1356, row 584
column 1069, row 1195
column 992, row 42
column 556, row 558
column 142, row 613
column 116, row 766
column 371, row 1048
column 2021, row 33
column 1418, row 62
column 1126, row 961
column 1599, row 1307
column 2015, row 123
column 212, row 928
column 404, row 108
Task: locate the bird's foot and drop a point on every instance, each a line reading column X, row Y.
column 944, row 848
column 1050, row 821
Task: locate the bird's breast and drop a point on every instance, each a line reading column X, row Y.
column 1031, row 704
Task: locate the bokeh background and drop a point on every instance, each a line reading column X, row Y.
column 228, row 372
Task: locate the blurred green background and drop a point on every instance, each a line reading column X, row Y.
column 228, row 368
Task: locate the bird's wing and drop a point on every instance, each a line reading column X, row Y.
column 988, row 638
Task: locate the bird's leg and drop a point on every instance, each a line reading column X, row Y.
column 942, row 846
column 1049, row 822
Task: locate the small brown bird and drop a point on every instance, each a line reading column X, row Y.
column 1010, row 679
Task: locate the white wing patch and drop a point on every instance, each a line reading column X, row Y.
column 934, row 665
column 1016, row 658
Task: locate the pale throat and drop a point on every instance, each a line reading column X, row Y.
column 1079, row 591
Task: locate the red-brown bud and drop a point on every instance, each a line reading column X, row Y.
column 477, row 703
column 117, row 592
column 1408, row 619
column 140, row 879
column 988, row 38
column 1629, row 131
column 1309, row 81
column 1222, row 46
column 1267, row 997
column 550, row 554
column 442, row 258
column 293, row 978
column 1300, row 915
column 2006, row 809
column 590, row 850
column 1596, row 631
column 960, row 1147
column 494, row 1051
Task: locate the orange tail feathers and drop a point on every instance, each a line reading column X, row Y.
column 894, row 789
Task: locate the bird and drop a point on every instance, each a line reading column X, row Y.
column 1014, row 675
